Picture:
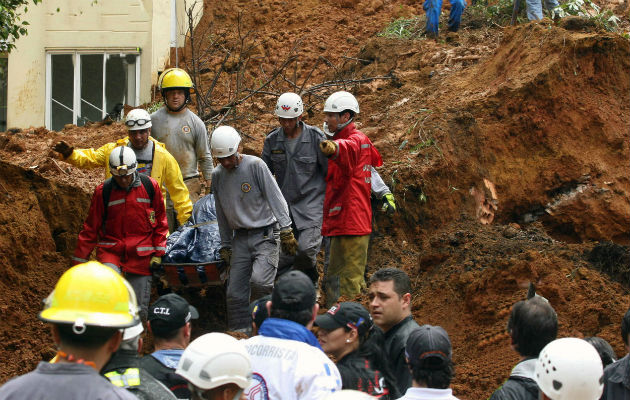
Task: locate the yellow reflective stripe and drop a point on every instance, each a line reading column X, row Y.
column 131, row 377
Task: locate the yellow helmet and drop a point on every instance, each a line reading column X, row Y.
column 174, row 78
column 91, row 294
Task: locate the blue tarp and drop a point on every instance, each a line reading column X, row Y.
column 197, row 241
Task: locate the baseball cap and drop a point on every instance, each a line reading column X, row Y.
column 294, row 291
column 258, row 310
column 170, row 312
column 346, row 314
column 428, row 347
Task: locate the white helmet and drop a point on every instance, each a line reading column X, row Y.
column 289, row 105
column 213, row 360
column 570, row 369
column 349, row 394
column 122, row 161
column 225, row 141
column 138, row 119
column 132, row 332
column 341, row 101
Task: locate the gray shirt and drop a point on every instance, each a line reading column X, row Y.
column 63, row 381
column 247, row 197
column 300, row 172
column 186, row 138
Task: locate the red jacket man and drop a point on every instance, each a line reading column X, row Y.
column 347, row 209
column 129, row 232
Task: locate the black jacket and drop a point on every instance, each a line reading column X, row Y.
column 617, row 380
column 167, row 376
column 357, row 373
column 148, row 388
column 395, row 340
column 516, row 388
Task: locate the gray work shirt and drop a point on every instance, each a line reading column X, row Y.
column 63, row 381
column 186, row 138
column 379, row 188
column 247, row 197
column 301, row 173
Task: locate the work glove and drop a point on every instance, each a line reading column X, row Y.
column 226, row 255
column 156, row 263
column 328, row 147
column 389, row 204
column 287, row 242
column 64, row 148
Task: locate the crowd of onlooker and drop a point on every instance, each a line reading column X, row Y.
column 357, row 353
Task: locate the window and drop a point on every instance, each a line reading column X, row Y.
column 4, row 65
column 86, row 86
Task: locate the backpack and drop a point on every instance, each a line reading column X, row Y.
column 109, row 185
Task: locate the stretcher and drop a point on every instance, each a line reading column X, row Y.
column 194, row 275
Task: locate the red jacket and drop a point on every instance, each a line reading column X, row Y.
column 347, row 208
column 135, row 229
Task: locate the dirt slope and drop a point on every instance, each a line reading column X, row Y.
column 540, row 111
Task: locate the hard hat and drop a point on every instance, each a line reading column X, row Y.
column 138, row 119
column 174, row 78
column 122, row 161
column 91, row 294
column 289, row 105
column 213, row 360
column 349, row 394
column 133, row 331
column 224, row 141
column 341, row 101
column 569, row 369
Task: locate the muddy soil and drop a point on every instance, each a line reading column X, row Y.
column 539, row 111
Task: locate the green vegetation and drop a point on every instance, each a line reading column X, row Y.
column 586, row 8
column 11, row 24
column 153, row 107
column 404, row 28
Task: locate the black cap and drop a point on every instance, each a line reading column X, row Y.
column 346, row 314
column 294, row 291
column 258, row 310
column 170, row 312
column 428, row 346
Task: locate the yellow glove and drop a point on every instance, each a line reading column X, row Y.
column 389, row 204
column 328, row 147
column 156, row 262
column 226, row 255
column 287, row 242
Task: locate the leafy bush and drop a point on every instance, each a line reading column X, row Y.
column 498, row 13
column 586, row 8
column 153, row 107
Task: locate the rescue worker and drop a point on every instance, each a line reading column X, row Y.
column 287, row 361
column 127, row 225
column 347, row 209
column 292, row 154
column 170, row 319
column 153, row 160
column 569, row 369
column 183, row 133
column 390, row 307
column 250, row 207
column 86, row 311
column 217, row 367
column 123, row 369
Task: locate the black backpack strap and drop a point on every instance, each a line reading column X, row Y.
column 107, row 191
column 148, row 186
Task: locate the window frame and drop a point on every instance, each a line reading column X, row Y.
column 76, row 89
